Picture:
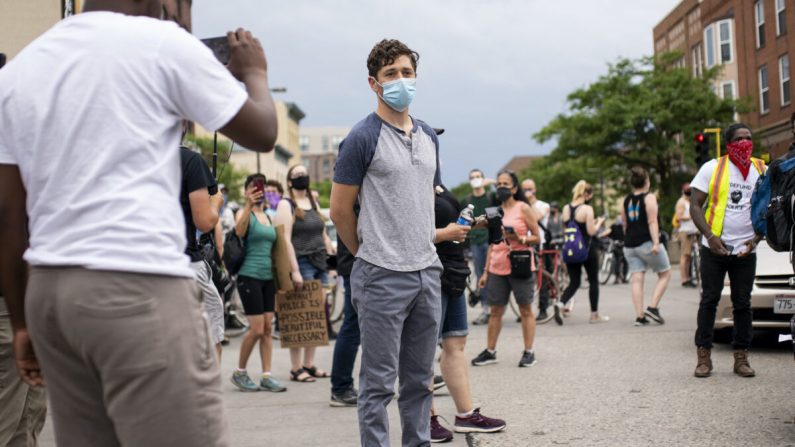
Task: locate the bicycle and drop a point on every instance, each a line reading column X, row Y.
column 335, row 297
column 555, row 279
column 613, row 262
column 695, row 261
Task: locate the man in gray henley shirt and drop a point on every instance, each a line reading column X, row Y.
column 389, row 162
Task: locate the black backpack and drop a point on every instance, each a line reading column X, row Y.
column 780, row 217
column 234, row 252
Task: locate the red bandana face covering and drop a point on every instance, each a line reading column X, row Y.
column 740, row 155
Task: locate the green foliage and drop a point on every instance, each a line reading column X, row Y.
column 227, row 174
column 323, row 193
column 461, row 191
column 641, row 113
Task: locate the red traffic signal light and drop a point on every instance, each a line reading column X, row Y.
column 699, row 137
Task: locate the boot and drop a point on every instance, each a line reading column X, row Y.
column 704, row 366
column 741, row 366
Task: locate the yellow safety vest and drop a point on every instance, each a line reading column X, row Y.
column 718, row 195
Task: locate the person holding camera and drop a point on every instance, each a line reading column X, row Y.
column 454, row 330
column 578, row 216
column 95, row 104
column 504, row 275
column 481, row 199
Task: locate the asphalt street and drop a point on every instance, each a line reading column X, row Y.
column 609, row 384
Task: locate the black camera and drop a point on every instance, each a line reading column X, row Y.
column 494, row 219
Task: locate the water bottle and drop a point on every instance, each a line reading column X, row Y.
column 466, row 218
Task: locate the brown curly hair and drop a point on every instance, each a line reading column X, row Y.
column 385, row 52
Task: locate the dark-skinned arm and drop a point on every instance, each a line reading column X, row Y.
column 14, row 270
column 343, row 198
column 697, row 200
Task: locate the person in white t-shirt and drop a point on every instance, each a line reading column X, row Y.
column 720, row 205
column 90, row 118
column 688, row 234
column 542, row 211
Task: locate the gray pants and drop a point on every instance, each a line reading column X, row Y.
column 22, row 408
column 399, row 318
column 213, row 304
column 126, row 357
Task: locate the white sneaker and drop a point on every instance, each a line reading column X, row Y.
column 599, row 319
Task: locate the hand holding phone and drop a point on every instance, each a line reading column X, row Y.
column 220, row 47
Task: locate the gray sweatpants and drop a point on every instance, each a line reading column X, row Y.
column 126, row 357
column 399, row 318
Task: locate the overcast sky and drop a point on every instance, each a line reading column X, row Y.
column 491, row 72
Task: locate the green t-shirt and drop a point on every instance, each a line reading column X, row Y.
column 259, row 244
column 479, row 236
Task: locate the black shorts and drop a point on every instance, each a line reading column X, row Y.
column 258, row 296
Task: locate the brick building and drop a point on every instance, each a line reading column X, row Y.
column 319, row 148
column 753, row 41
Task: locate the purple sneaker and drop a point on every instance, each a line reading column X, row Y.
column 439, row 433
column 477, row 423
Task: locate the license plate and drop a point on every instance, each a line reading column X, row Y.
column 784, row 305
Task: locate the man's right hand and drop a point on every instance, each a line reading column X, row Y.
column 456, row 233
column 716, row 246
column 246, row 55
column 27, row 363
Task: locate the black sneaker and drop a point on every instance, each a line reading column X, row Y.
column 485, row 358
column 558, row 308
column 654, row 314
column 528, row 359
column 347, row 398
column 642, row 321
column 438, row 432
column 438, row 382
column 543, row 317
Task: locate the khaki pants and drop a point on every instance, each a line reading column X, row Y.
column 126, row 357
column 22, row 408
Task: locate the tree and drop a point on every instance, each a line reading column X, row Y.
column 642, row 112
column 226, row 172
column 323, row 193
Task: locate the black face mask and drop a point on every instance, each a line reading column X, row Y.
column 300, row 183
column 503, row 194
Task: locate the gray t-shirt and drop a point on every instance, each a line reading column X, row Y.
column 396, row 174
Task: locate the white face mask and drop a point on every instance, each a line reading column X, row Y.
column 476, row 182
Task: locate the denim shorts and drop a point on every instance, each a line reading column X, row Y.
column 454, row 317
column 310, row 272
column 640, row 258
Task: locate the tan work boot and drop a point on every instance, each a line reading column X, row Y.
column 704, row 366
column 741, row 366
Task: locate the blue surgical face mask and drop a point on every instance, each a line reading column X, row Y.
column 399, row 93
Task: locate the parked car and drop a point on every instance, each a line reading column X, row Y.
column 772, row 296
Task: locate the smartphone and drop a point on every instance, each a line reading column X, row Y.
column 259, row 186
column 509, row 230
column 220, row 47
column 729, row 248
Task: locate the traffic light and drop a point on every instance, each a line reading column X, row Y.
column 702, row 149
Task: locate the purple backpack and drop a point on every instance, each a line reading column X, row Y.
column 575, row 250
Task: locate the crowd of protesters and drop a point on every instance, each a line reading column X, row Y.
column 119, row 301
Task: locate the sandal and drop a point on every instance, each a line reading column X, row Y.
column 315, row 372
column 301, row 375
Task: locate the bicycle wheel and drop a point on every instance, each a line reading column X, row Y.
column 548, row 281
column 562, row 278
column 335, row 297
column 606, row 269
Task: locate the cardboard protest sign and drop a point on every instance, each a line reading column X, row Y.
column 302, row 316
column 281, row 261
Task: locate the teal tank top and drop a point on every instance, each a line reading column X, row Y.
column 259, row 244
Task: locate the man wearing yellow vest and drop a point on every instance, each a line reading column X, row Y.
column 721, row 209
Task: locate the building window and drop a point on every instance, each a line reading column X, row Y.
column 709, row 44
column 335, row 142
column 781, row 17
column 783, row 75
column 326, row 166
column 303, row 141
column 325, row 140
column 764, row 90
column 698, row 62
column 725, row 40
column 759, row 10
column 727, row 88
